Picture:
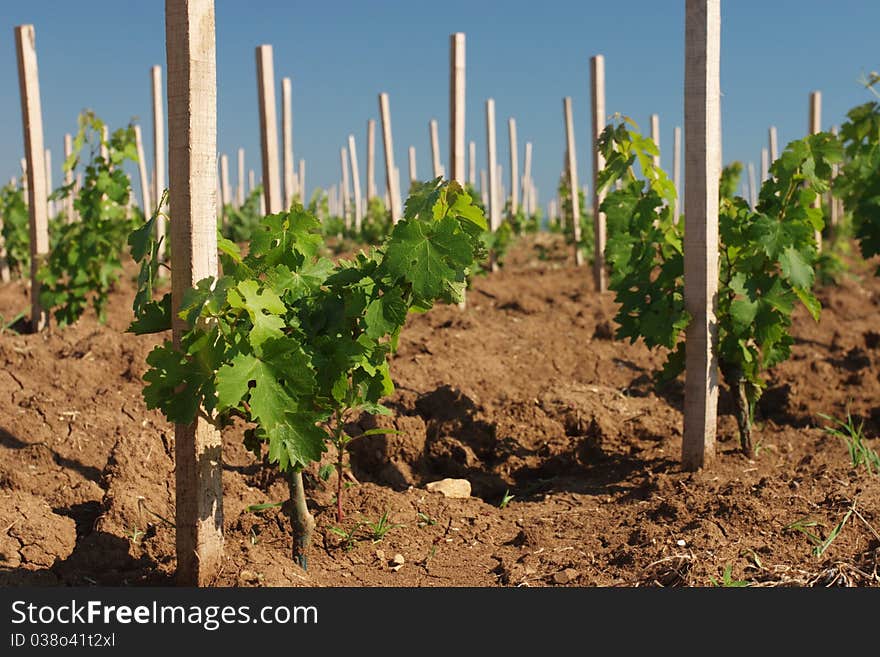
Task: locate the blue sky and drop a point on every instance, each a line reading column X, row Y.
column 526, row 55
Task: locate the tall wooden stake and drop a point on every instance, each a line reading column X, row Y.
column 834, row 206
column 571, row 166
column 225, row 189
column 435, row 148
column 355, row 184
column 527, row 180
column 159, row 181
column 268, row 128
column 32, row 122
column 287, row 140
column 388, row 143
column 753, row 187
column 655, row 137
column 147, row 206
column 492, row 166
column 456, row 106
column 371, row 159
column 192, row 149
column 597, row 98
column 774, row 150
column 514, row 166
column 815, row 127
column 413, row 174
column 676, row 173
column 472, row 164
column 765, row 164
column 346, row 198
column 702, row 117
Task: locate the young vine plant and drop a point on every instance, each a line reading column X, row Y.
column 766, row 259
column 86, row 256
column 296, row 345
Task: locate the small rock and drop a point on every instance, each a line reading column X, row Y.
column 456, row 488
column 681, row 542
column 398, row 562
column 380, row 555
column 565, row 576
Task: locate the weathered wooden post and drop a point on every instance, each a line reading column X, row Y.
column 268, row 128
column 225, row 189
column 676, row 173
column 456, row 106
column 388, row 144
column 371, row 159
column 239, row 190
column 527, row 180
column 413, row 174
column 472, row 164
column 435, row 148
column 492, row 166
column 68, row 179
column 597, row 97
column 159, row 181
column 571, row 166
column 765, row 165
column 346, row 198
column 355, row 184
column 147, row 206
column 655, row 137
column 774, row 151
column 514, row 166
column 287, row 141
column 702, row 117
column 192, row 149
column 32, row 122
column 815, row 127
column 252, row 180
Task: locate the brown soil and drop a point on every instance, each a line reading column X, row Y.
column 524, row 392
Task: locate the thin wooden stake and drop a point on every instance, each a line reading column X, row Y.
column 676, row 173
column 833, row 202
column 371, row 159
column 492, row 166
column 514, row 166
column 225, row 189
column 774, row 152
column 753, row 187
column 655, row 137
column 68, row 180
column 268, row 128
column 252, row 180
column 472, row 164
column 597, row 98
column 702, row 102
column 571, row 166
column 32, row 122
column 355, row 184
column 527, row 180
column 287, row 140
column 765, row 165
column 435, row 148
column 192, row 148
column 456, row 106
column 388, row 143
column 239, row 190
column 413, row 174
column 147, row 201
column 159, row 180
column 346, row 199
column 815, row 127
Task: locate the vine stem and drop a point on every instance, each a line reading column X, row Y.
column 302, row 522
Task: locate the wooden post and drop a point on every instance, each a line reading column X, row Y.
column 456, row 106
column 371, row 159
column 492, row 167
column 287, row 141
column 239, row 191
column 765, row 164
column 472, row 164
column 32, row 122
column 388, row 143
column 514, row 166
column 192, row 149
column 702, row 101
column 774, row 152
column 655, row 137
column 597, row 97
column 815, row 127
column 68, row 179
column 225, row 189
column 147, row 205
column 413, row 175
column 527, row 180
column 355, row 184
column 571, row 165
column 252, row 180
column 158, row 152
column 676, row 173
column 753, row 187
column 435, row 148
column 49, row 187
column 346, row 198
column 268, row 128
column 301, row 181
